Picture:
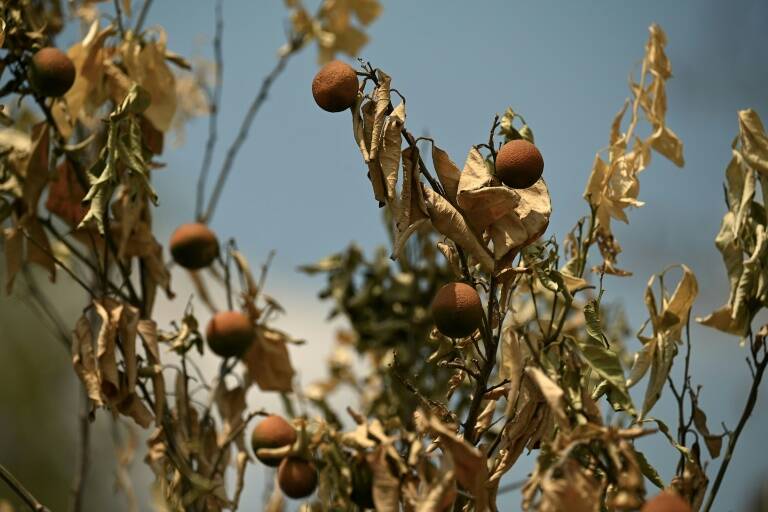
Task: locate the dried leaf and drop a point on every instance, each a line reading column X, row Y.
column 84, row 359
column 447, row 172
column 268, row 362
column 449, row 222
column 552, row 393
column 469, row 462
column 148, row 332
column 386, row 487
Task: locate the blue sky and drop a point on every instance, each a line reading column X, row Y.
column 299, row 186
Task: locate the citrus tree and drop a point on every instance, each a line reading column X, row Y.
column 483, row 335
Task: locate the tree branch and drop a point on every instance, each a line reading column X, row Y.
column 733, row 437
column 256, row 104
column 21, row 491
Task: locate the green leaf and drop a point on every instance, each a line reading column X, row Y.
column 648, row 471
column 604, row 361
column 135, row 102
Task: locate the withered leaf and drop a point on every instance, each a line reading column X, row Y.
column 268, row 361
column 449, row 222
column 447, row 172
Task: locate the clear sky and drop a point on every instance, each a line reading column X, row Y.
column 299, row 186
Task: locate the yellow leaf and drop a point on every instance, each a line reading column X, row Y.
column 449, row 222
column 447, row 172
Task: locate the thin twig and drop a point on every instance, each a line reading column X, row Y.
column 58, row 262
column 734, row 436
column 119, row 18
column 21, row 491
column 215, row 104
column 231, row 438
column 142, row 16
column 44, row 304
column 242, row 134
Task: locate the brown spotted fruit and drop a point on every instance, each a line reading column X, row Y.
column 335, row 86
column 272, row 432
column 51, row 72
column 229, row 333
column 297, row 477
column 194, row 246
column 456, row 310
column 519, row 164
column 666, row 502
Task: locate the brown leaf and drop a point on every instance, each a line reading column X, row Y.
column 375, row 173
column 386, row 487
column 148, row 332
column 109, row 312
column 382, row 104
column 84, row 359
column 553, row 394
column 65, row 195
column 449, row 222
column 268, row 361
column 754, row 141
column 447, row 172
column 411, row 210
column 146, row 65
column 469, row 462
column 128, row 329
column 389, row 157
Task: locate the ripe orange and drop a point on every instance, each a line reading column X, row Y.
column 229, row 333
column 666, row 502
column 456, row 310
column 51, row 72
column 272, row 432
column 335, row 86
column 519, row 164
column 297, row 478
column 194, row 246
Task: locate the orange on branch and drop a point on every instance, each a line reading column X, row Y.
column 272, row 432
column 666, row 502
column 51, row 72
column 297, row 477
column 229, row 333
column 456, row 310
column 194, row 246
column 519, row 164
column 335, row 86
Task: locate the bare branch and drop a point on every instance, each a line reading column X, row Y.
column 215, row 104
column 245, row 126
column 21, row 491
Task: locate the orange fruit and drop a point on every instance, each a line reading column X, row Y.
column 297, row 477
column 272, row 432
column 519, row 164
column 229, row 333
column 335, row 86
column 51, row 72
column 456, row 310
column 666, row 502
column 194, row 246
